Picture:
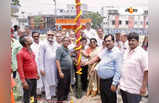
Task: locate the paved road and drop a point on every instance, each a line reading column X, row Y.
column 89, row 99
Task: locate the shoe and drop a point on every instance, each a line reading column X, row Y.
column 93, row 93
column 49, row 101
column 65, row 98
column 53, row 97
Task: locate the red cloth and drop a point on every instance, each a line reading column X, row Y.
column 27, row 67
column 11, row 31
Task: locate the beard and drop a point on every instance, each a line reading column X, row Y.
column 50, row 39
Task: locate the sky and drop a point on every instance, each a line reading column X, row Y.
column 47, row 6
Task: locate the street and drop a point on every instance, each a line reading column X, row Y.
column 86, row 99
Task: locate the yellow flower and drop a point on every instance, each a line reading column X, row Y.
column 31, row 99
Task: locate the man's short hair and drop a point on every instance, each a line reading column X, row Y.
column 51, row 32
column 83, row 38
column 133, row 35
column 118, row 33
column 64, row 38
column 124, row 34
column 34, row 33
column 93, row 39
column 88, row 23
column 22, row 40
column 58, row 34
column 106, row 36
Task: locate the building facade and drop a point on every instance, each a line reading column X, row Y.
column 14, row 4
column 123, row 20
column 64, row 18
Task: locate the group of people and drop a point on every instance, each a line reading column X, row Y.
column 109, row 63
column 42, row 65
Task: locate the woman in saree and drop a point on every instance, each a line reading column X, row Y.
column 90, row 53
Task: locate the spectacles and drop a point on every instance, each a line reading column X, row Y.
column 107, row 41
column 50, row 34
column 35, row 36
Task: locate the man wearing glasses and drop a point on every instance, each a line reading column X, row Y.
column 48, row 68
column 64, row 65
column 108, row 70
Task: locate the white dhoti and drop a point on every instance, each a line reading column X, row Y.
column 48, row 65
column 49, row 90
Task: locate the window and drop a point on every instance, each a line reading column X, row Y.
column 120, row 22
column 141, row 22
column 113, row 22
column 126, row 22
column 136, row 22
column 61, row 11
column 146, row 12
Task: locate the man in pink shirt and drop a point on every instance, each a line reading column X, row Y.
column 134, row 72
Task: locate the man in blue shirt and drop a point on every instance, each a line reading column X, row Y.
column 108, row 70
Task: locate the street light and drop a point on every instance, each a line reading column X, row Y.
column 55, row 6
column 54, row 13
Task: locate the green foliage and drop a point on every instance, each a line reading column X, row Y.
column 37, row 20
column 96, row 18
column 16, row 2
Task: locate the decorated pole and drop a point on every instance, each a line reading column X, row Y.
column 78, row 48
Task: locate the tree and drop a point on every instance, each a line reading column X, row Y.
column 38, row 21
column 16, row 2
column 97, row 19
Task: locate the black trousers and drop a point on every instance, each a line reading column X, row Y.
column 84, row 79
column 14, row 74
column 107, row 96
column 31, row 91
column 63, row 87
column 130, row 98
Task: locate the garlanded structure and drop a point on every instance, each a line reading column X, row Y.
column 78, row 47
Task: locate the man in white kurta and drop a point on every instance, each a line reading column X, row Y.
column 124, row 44
column 89, row 32
column 36, row 49
column 58, row 39
column 100, row 37
column 48, row 65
